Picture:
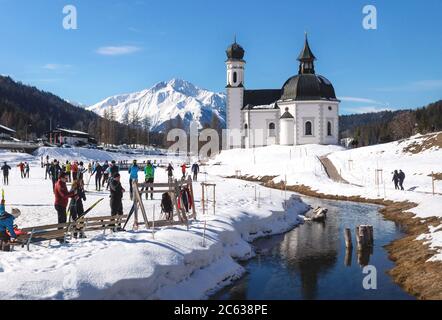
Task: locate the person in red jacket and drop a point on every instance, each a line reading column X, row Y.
column 62, row 196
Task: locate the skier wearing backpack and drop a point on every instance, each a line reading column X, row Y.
column 149, row 175
column 133, row 176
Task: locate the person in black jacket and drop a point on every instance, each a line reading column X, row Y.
column 195, row 171
column 54, row 172
column 5, row 168
column 401, row 177
column 98, row 171
column 116, row 196
column 76, row 208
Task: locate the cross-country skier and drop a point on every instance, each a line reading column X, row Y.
column 98, row 171
column 133, row 176
column 149, row 175
column 5, row 169
column 76, row 207
column 116, row 196
column 62, row 196
column 195, row 170
column 183, row 170
column 54, row 172
column 21, row 166
column 169, row 170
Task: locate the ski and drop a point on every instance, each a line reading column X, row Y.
column 131, row 212
column 92, row 207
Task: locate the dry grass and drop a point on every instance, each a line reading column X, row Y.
column 424, row 143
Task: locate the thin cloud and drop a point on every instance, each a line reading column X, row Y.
column 117, row 50
column 359, row 100
column 367, row 109
column 56, row 66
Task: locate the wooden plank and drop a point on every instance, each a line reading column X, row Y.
column 140, row 202
column 104, row 218
column 49, row 226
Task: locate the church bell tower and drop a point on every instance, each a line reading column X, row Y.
column 235, row 85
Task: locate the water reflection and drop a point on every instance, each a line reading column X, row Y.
column 312, row 262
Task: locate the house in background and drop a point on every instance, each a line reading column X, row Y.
column 70, row 137
column 6, row 133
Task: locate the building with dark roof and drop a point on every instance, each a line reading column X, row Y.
column 6, row 133
column 304, row 111
column 70, row 137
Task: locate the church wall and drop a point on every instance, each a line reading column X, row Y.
column 260, row 119
column 234, row 105
column 331, row 116
column 308, row 112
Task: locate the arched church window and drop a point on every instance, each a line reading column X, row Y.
column 246, row 126
column 308, row 128
column 329, row 129
column 272, row 129
column 235, row 77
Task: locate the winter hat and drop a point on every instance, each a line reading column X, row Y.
column 16, row 213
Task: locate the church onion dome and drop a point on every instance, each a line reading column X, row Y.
column 304, row 87
column 287, row 115
column 235, row 52
column 307, row 85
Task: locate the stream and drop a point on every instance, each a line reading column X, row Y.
column 311, row 261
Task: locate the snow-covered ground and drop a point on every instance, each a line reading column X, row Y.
column 300, row 165
column 173, row 263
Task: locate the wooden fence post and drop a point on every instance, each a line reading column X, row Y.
column 348, row 241
column 190, row 186
column 203, row 199
column 432, row 182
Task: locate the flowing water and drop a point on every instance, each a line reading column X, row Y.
column 311, row 261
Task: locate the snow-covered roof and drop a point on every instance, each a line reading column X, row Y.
column 7, row 129
column 73, row 131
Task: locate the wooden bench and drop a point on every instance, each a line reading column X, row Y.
column 64, row 231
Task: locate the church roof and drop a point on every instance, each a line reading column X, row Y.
column 287, row 115
column 254, row 98
column 235, row 51
column 304, row 87
column 306, row 53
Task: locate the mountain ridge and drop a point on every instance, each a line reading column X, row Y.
column 166, row 101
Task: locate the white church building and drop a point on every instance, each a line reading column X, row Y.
column 304, row 111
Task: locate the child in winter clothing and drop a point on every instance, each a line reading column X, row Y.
column 7, row 225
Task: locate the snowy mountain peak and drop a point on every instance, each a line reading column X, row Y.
column 167, row 101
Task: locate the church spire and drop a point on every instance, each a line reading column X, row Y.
column 306, row 59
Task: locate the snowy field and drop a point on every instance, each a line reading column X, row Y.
column 173, row 263
column 300, row 165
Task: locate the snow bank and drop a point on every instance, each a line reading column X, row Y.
column 300, row 165
column 173, row 264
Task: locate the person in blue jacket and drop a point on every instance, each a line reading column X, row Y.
column 133, row 176
column 6, row 224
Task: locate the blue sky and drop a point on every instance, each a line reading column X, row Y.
column 127, row 45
